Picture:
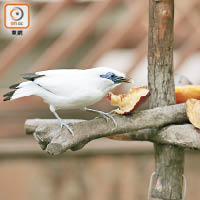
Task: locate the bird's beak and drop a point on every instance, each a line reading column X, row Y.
column 126, row 80
column 129, row 80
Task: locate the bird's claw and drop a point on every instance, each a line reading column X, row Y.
column 67, row 126
column 103, row 114
column 108, row 116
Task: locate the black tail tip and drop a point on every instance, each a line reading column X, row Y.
column 6, row 99
column 14, row 86
column 9, row 94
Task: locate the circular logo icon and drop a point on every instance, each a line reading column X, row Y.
column 17, row 13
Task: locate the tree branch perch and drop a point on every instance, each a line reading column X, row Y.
column 56, row 140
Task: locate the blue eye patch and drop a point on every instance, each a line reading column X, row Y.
column 111, row 76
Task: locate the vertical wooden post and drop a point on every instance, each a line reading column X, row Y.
column 169, row 160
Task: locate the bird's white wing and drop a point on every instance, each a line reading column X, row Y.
column 63, row 82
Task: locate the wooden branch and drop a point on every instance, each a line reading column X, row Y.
column 186, row 136
column 56, row 140
column 167, row 179
column 160, row 53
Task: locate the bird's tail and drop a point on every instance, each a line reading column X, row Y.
column 20, row 90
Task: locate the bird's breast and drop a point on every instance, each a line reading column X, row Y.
column 77, row 100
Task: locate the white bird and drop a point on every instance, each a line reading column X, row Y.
column 69, row 88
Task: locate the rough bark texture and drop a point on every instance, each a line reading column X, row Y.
column 186, row 136
column 56, row 140
column 160, row 54
column 168, row 159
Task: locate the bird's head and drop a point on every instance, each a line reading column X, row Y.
column 110, row 78
column 116, row 78
column 113, row 76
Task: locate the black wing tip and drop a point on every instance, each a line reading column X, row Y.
column 31, row 76
column 14, row 86
column 9, row 94
column 28, row 78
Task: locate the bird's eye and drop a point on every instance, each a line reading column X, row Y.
column 112, row 76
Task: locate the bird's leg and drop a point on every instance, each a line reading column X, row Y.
column 62, row 123
column 112, row 112
column 103, row 114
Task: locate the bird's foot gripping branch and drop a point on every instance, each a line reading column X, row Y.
column 138, row 125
